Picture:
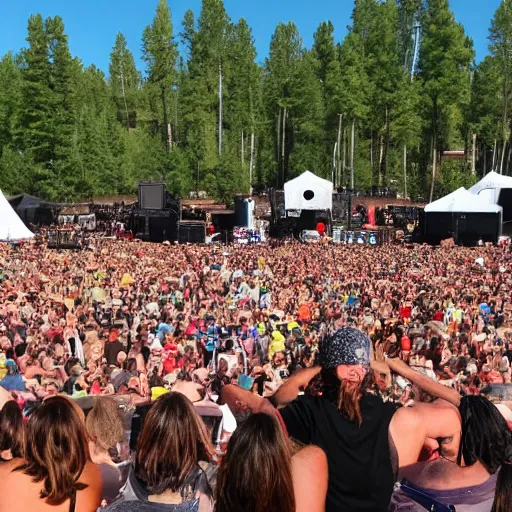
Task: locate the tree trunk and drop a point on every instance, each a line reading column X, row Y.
column 338, row 152
column 166, row 120
column 344, row 165
column 503, row 155
column 243, row 150
column 434, row 164
column 251, row 163
column 372, row 169
column 405, row 171
column 381, row 158
column 283, row 150
column 494, row 155
column 388, row 142
column 485, row 159
column 473, row 156
column 352, row 150
column 220, row 107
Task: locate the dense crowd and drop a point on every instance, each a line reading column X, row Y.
column 393, row 350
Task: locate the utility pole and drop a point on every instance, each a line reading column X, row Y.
column 283, row 147
column 220, row 107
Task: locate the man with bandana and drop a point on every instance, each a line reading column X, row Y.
column 365, row 440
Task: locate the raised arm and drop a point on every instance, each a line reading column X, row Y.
column 290, row 390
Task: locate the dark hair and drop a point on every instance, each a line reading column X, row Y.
column 12, row 430
column 255, row 475
column 487, row 439
column 56, row 449
column 172, row 443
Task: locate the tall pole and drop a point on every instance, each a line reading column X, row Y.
column 333, row 173
column 352, row 149
column 220, row 107
column 494, row 156
column 251, row 163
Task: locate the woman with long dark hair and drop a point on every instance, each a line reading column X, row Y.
column 255, row 474
column 475, row 470
column 12, row 432
column 172, row 469
column 258, row 473
column 55, row 473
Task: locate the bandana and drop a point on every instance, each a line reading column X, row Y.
column 345, row 346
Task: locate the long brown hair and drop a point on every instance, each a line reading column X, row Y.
column 56, row 450
column 173, row 441
column 255, row 474
column 12, row 430
column 105, row 423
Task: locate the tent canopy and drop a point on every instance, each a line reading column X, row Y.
column 11, row 226
column 462, row 201
column 489, row 187
column 308, row 192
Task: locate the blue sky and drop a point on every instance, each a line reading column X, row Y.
column 92, row 24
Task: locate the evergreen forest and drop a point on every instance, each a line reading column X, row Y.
column 202, row 111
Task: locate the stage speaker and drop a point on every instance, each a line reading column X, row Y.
column 191, row 232
column 152, row 196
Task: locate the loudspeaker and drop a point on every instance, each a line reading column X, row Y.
column 152, row 196
column 191, row 232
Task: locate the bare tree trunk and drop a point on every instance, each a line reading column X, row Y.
column 473, row 156
column 388, row 142
column 333, row 171
column 251, row 163
column 508, row 159
column 434, row 163
column 283, row 148
column 166, row 121
column 243, row 150
column 381, row 157
column 494, row 155
column 352, row 151
column 371, row 157
column 344, row 166
column 405, row 171
column 278, row 156
column 485, row 159
column 220, row 107
column 503, row 156
column 338, row 152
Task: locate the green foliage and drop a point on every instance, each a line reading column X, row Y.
column 68, row 132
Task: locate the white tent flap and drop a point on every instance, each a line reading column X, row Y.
column 308, row 192
column 462, row 201
column 491, row 185
column 11, row 226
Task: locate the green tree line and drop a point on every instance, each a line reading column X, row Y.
column 201, row 112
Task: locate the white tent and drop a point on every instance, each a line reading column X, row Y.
column 308, row 192
column 490, row 186
column 11, row 226
column 462, row 201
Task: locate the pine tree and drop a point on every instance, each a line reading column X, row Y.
column 444, row 70
column 160, row 53
column 124, row 82
column 500, row 38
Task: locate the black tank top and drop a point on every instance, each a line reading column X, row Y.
column 360, row 470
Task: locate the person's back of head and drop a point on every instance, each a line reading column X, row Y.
column 12, row 432
column 255, row 474
column 56, row 449
column 172, row 443
column 487, row 439
column 105, row 425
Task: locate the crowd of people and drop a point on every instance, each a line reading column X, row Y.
column 277, row 376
